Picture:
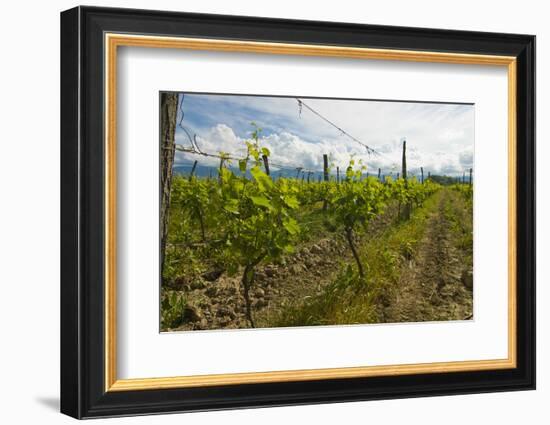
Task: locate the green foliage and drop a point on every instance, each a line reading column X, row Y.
column 357, row 202
column 173, row 306
column 463, row 225
column 411, row 192
column 256, row 214
column 258, row 218
column 465, row 190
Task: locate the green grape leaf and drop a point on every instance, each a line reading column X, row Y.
column 242, row 165
column 291, row 226
column 263, row 180
column 261, row 201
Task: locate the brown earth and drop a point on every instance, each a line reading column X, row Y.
column 437, row 283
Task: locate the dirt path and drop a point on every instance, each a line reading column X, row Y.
column 436, row 283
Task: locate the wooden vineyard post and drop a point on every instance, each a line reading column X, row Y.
column 266, row 164
column 422, row 175
column 338, row 175
column 470, row 177
column 222, row 160
column 325, row 177
column 379, row 174
column 168, row 116
column 193, row 170
column 404, row 161
column 407, row 206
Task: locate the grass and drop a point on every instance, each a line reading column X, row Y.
column 460, row 217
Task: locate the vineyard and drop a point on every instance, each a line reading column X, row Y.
column 245, row 249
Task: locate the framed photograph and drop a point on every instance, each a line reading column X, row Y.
column 261, row 212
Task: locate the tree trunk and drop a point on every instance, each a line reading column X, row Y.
column 168, row 114
column 248, row 278
column 349, row 237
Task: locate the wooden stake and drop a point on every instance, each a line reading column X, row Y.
column 222, row 160
column 266, row 164
column 193, row 170
column 406, row 207
column 404, row 162
column 325, row 177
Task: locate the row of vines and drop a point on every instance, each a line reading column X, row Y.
column 243, row 218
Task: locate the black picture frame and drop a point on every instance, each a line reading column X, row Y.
column 83, row 392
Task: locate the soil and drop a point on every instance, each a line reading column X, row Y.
column 437, row 283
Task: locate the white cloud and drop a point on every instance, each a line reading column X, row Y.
column 439, row 137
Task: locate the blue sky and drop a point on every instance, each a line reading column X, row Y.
column 440, row 137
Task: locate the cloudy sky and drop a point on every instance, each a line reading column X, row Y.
column 440, row 137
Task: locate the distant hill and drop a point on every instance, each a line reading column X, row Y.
column 448, row 180
column 202, row 171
